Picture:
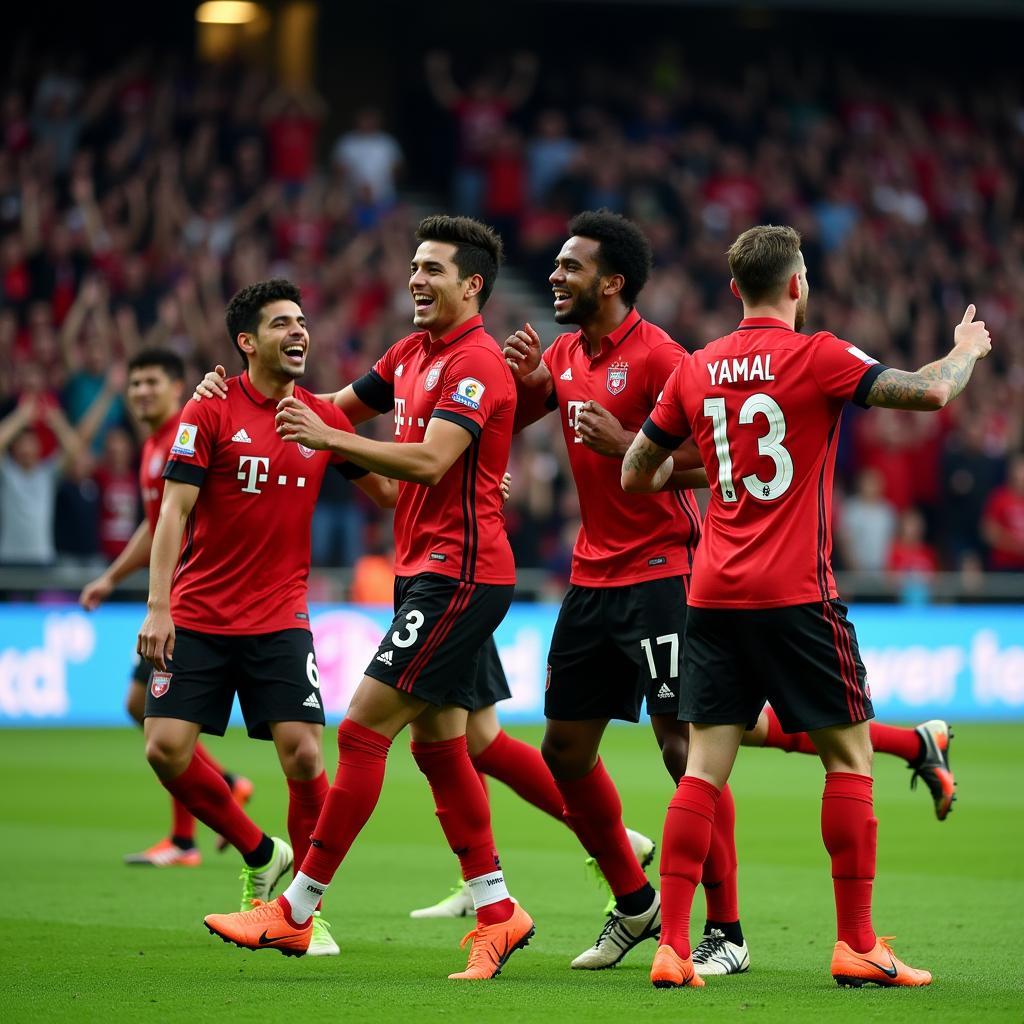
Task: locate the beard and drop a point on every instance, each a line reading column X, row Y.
column 801, row 314
column 583, row 309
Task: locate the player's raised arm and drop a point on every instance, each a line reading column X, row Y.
column 936, row 384
column 534, row 385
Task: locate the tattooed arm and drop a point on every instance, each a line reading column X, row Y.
column 938, row 383
column 646, row 467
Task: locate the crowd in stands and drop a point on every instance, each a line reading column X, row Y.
column 134, row 200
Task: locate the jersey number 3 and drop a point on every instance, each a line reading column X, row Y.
column 768, row 445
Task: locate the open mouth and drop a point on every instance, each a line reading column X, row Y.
column 563, row 297
column 295, row 354
column 422, row 301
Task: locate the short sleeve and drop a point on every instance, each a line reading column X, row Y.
column 193, row 443
column 660, row 364
column 667, row 426
column 842, row 370
column 474, row 385
column 376, row 388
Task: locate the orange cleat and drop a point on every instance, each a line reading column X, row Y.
column 241, row 790
column 493, row 944
column 670, row 970
column 165, row 855
column 878, row 967
column 933, row 766
column 263, row 927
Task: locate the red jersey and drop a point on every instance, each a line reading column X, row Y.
column 457, row 527
column 623, row 538
column 763, row 405
column 151, row 468
column 245, row 559
column 1005, row 508
column 119, row 510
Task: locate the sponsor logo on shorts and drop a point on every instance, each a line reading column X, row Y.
column 159, row 683
column 469, row 392
column 665, row 693
column 436, row 556
column 387, row 657
column 660, row 560
column 185, row 439
column 311, row 702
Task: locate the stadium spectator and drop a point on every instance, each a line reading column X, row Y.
column 867, row 525
column 370, row 158
column 1002, row 525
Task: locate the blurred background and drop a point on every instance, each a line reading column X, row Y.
column 151, row 166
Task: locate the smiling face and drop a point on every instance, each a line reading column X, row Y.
column 281, row 342
column 152, row 395
column 576, row 281
column 440, row 299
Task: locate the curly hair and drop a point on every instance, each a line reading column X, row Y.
column 243, row 313
column 623, row 248
column 478, row 248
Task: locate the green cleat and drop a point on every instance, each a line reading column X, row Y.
column 643, row 848
column 258, row 883
column 322, row 943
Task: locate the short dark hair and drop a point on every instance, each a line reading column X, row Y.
column 243, row 313
column 170, row 362
column 623, row 248
column 478, row 248
column 762, row 260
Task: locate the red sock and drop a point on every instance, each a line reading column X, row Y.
column 464, row 814
column 791, row 742
column 684, row 848
column 183, row 824
column 362, row 758
column 305, row 801
column 718, row 875
column 205, row 793
column 203, row 754
column 483, row 783
column 522, row 768
column 593, row 811
column 850, row 831
column 891, row 739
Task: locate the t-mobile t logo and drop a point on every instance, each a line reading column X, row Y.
column 573, row 411
column 252, row 470
column 399, row 415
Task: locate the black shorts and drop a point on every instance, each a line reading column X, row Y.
column 802, row 659
column 613, row 646
column 141, row 670
column 432, row 648
column 491, row 684
column 274, row 674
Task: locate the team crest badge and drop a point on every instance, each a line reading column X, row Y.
column 159, row 683
column 433, row 376
column 307, row 453
column 616, row 381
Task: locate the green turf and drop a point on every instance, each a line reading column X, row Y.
column 84, row 938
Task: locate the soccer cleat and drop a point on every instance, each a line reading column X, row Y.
column 643, row 850
column 493, row 944
column 165, row 855
column 934, row 766
column 877, row 967
column 715, row 954
column 322, row 942
column 241, row 790
column 458, row 903
column 619, row 935
column 670, row 970
column 262, row 927
column 258, row 883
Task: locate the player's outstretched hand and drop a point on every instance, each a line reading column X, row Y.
column 213, row 385
column 971, row 335
column 599, row 430
column 522, row 351
column 156, row 639
column 297, row 422
column 95, row 593
column 506, row 487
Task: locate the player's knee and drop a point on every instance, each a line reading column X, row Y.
column 303, row 759
column 166, row 757
column 674, row 750
column 565, row 758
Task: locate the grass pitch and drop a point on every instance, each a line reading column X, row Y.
column 84, row 938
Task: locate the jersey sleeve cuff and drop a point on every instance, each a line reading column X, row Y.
column 184, row 473
column 871, row 374
column 373, row 390
column 453, row 417
column 350, row 471
column 664, row 440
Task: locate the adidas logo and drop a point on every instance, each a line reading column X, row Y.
column 665, row 692
column 567, row 375
column 386, row 657
column 242, row 437
column 400, row 370
column 311, row 702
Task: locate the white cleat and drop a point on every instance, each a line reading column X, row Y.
column 459, row 903
column 321, row 942
column 258, row 883
column 619, row 935
column 715, row 954
column 642, row 846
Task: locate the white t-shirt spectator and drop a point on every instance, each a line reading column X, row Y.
column 27, row 502
column 369, row 159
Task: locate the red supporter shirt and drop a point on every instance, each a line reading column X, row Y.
column 623, row 538
column 1005, row 509
column 245, row 559
column 763, row 405
column 119, row 510
column 151, row 468
column 457, row 527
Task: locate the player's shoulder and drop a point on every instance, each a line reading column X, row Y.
column 327, row 411
column 560, row 347
column 651, row 336
column 483, row 351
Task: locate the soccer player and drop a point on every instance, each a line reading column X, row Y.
column 454, row 405
column 154, row 397
column 227, row 608
column 763, row 405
